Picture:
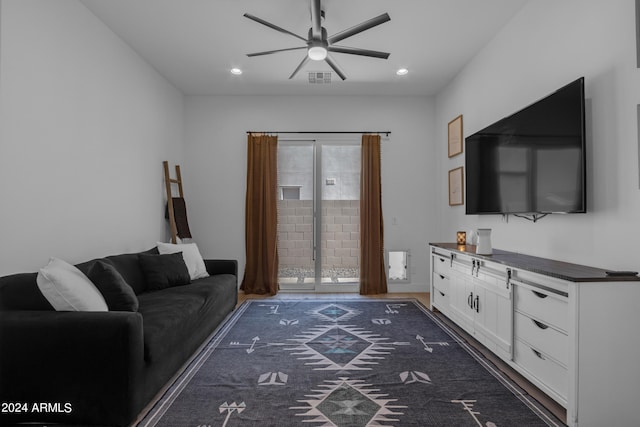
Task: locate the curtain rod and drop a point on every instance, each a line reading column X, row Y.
column 386, row 132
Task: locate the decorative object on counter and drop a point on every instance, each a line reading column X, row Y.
column 471, row 237
column 461, row 237
column 454, row 134
column 484, row 242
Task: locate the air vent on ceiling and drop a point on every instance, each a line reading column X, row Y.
column 319, row 77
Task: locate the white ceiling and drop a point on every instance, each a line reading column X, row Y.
column 194, row 43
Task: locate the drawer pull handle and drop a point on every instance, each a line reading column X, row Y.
column 540, row 295
column 441, row 293
column 441, row 276
column 441, row 259
column 539, row 324
column 538, row 354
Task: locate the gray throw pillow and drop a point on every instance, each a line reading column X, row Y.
column 164, row 271
column 117, row 293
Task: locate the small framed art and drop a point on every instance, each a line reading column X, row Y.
column 454, row 139
column 456, row 186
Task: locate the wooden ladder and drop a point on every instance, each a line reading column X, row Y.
column 168, row 181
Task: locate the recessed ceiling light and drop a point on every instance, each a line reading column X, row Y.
column 236, row 71
column 402, row 72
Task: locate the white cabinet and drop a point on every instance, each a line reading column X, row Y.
column 479, row 298
column 569, row 329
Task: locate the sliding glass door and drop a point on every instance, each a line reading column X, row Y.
column 318, row 215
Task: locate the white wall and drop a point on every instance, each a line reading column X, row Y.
column 216, row 156
column 85, row 126
column 549, row 44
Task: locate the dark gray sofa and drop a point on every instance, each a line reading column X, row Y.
column 102, row 368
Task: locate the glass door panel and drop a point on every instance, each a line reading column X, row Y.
column 340, row 219
column 296, row 242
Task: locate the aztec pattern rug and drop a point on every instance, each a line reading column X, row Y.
column 341, row 363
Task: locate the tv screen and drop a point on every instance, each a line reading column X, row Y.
column 532, row 161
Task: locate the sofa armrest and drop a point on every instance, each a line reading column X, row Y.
column 88, row 363
column 221, row 266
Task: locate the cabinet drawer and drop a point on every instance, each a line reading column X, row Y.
column 441, row 282
column 543, row 369
column 545, row 306
column 542, row 337
column 441, row 264
column 441, row 300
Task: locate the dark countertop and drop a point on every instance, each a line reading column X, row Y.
column 548, row 267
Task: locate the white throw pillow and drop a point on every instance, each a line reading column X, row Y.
column 68, row 289
column 191, row 255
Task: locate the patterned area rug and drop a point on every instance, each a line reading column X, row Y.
column 344, row 363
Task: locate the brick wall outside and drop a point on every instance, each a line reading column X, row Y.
column 339, row 239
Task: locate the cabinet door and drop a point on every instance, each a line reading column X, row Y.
column 460, row 291
column 493, row 317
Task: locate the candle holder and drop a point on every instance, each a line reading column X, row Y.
column 461, row 238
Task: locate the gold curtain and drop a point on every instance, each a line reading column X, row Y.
column 373, row 278
column 261, row 223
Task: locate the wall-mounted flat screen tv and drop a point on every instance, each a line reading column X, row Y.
column 532, row 162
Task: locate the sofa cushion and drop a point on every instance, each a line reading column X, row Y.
column 169, row 315
column 68, row 289
column 191, row 255
column 164, row 271
column 182, row 317
column 115, row 290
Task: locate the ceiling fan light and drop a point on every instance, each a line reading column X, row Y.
column 317, row 53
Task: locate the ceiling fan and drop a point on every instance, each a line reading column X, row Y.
column 319, row 46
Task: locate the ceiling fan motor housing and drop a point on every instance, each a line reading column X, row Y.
column 324, row 37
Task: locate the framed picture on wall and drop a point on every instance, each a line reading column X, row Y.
column 456, row 186
column 455, row 136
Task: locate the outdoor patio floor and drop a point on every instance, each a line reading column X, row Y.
column 291, row 275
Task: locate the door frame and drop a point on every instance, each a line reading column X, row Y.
column 318, row 287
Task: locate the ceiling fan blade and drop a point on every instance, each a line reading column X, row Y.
column 304, row 61
column 272, row 26
column 357, row 51
column 316, row 26
column 269, row 52
column 334, row 66
column 359, row 28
